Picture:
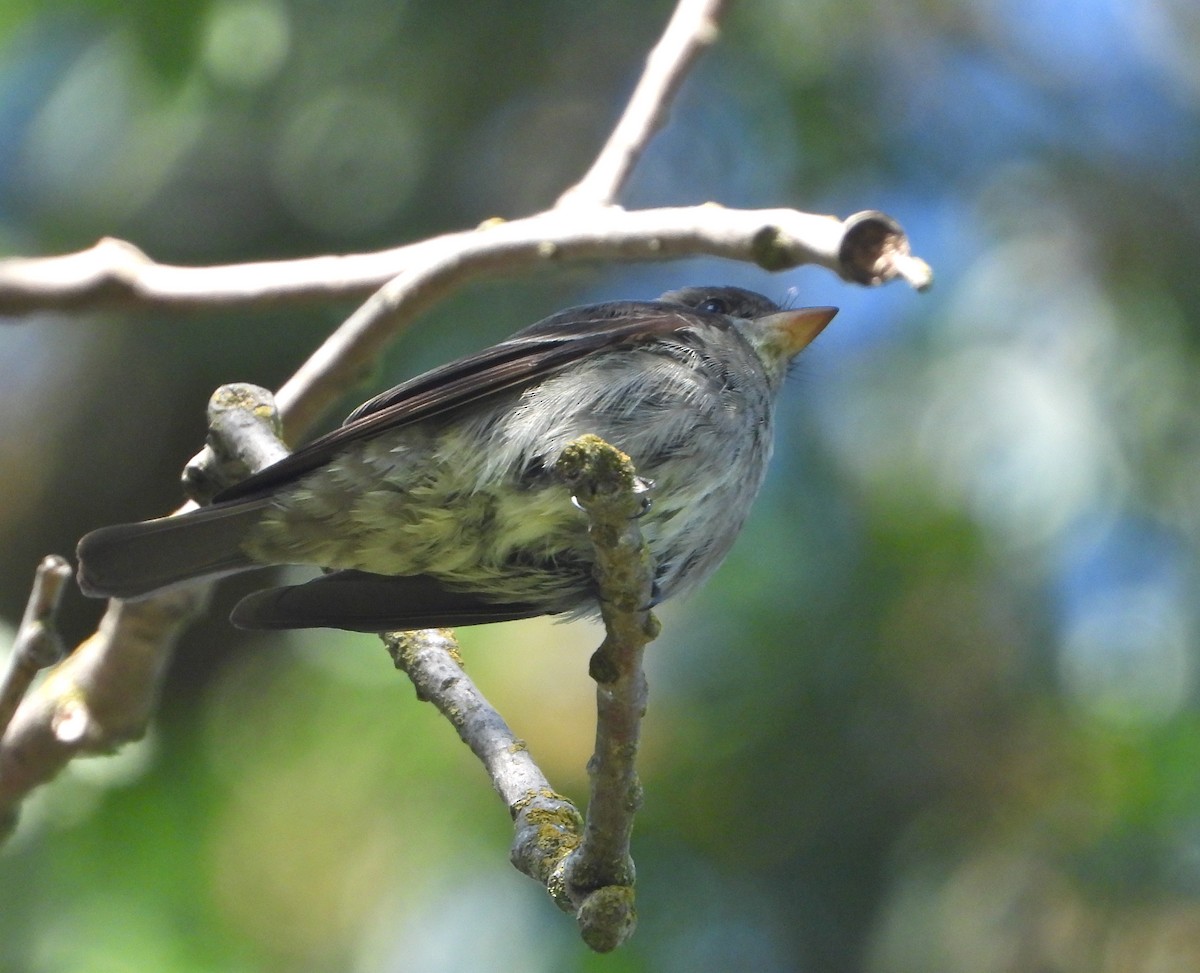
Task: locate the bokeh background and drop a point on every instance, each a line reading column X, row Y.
column 937, row 713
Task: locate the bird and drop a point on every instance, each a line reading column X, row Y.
column 436, row 504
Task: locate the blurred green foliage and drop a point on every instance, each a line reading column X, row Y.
column 937, row 714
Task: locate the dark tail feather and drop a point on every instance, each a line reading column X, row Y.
column 134, row 560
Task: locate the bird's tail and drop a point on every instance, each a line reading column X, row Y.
column 135, row 560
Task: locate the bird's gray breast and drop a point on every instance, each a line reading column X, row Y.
column 693, row 412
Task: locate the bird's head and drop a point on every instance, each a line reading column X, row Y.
column 778, row 335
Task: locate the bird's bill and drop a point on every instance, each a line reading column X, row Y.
column 787, row 333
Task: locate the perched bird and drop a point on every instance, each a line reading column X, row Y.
column 436, row 504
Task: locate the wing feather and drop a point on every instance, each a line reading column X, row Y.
column 361, row 602
column 525, row 358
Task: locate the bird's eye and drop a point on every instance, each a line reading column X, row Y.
column 714, row 305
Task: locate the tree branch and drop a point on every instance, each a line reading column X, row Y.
column 546, row 825
column 691, row 30
column 867, row 248
column 100, row 696
column 599, row 873
column 104, row 692
column 584, row 865
column 107, row 276
column 37, row 644
column 244, row 436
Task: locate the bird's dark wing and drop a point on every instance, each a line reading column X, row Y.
column 361, row 602
column 526, row 357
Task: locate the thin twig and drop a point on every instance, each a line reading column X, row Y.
column 37, row 644
column 546, row 825
column 690, row 31
column 599, row 873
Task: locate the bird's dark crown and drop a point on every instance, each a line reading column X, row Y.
column 736, row 302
